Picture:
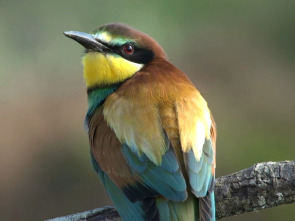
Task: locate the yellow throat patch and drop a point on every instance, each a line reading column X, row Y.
column 104, row 69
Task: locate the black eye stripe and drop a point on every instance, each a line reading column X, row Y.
column 139, row 55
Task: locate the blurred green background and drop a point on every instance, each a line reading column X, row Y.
column 240, row 54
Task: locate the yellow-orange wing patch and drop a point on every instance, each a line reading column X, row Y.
column 136, row 123
column 194, row 122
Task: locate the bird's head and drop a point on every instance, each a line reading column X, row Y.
column 114, row 53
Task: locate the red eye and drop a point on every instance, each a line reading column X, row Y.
column 128, row 49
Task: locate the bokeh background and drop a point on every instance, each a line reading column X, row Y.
column 240, row 54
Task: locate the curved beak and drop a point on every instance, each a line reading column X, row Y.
column 87, row 40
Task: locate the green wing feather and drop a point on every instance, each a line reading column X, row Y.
column 128, row 210
column 165, row 179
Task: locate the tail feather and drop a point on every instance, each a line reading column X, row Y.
column 207, row 207
column 151, row 209
column 193, row 209
column 163, row 208
column 178, row 211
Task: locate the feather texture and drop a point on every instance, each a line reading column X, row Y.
column 132, row 211
column 166, row 179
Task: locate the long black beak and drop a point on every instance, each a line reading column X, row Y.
column 87, row 40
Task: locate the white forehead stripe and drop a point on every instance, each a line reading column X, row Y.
column 104, row 37
column 110, row 39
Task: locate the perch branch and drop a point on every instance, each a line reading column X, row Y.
column 262, row 186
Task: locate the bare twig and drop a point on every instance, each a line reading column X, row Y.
column 261, row 186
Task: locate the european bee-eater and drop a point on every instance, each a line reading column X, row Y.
column 152, row 136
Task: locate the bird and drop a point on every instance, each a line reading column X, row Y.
column 152, row 135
